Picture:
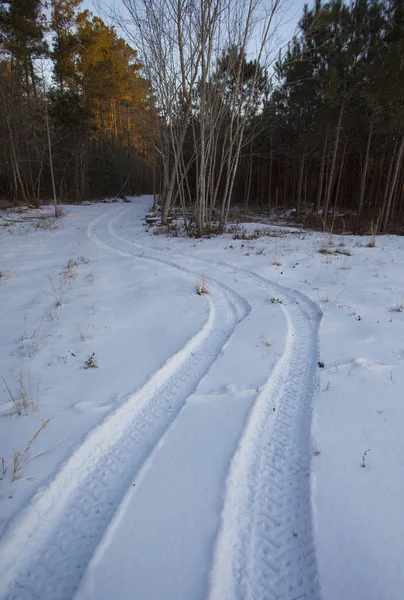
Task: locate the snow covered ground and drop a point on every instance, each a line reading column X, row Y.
column 160, row 444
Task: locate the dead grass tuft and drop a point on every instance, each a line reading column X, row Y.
column 70, row 272
column 201, row 287
column 28, row 343
column 20, row 457
column 374, row 226
column 399, row 307
column 240, row 233
column 25, row 397
column 57, row 291
column 3, row 467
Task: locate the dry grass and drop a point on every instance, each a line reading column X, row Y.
column 3, row 467
column 345, row 263
column 51, row 314
column 399, row 307
column 161, row 230
column 21, row 457
column 27, row 343
column 331, row 251
column 240, row 233
column 201, row 287
column 374, row 226
column 276, row 262
column 25, row 397
column 47, row 223
column 70, row 271
column 57, row 291
column 265, row 342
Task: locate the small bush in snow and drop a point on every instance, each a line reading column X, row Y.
column 46, row 222
column 201, row 287
column 399, row 307
column 91, row 363
column 70, row 271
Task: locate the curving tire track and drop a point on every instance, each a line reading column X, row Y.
column 265, row 548
column 268, row 489
column 46, row 553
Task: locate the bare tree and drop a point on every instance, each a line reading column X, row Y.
column 182, row 45
column 49, row 138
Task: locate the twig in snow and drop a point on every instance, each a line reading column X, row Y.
column 364, row 458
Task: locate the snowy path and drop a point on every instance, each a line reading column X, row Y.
column 265, row 545
column 60, row 531
column 264, row 548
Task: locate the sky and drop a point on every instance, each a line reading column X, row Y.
column 293, row 14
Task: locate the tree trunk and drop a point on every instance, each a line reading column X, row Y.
column 300, row 185
column 339, row 182
column 364, row 172
column 248, row 190
column 389, row 197
column 322, row 168
column 334, row 159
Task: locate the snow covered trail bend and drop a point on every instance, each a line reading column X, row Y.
column 265, row 548
column 44, row 556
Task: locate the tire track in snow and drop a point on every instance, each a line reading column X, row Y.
column 44, row 556
column 271, row 554
column 265, row 548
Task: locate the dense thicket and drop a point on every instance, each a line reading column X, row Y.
column 332, row 131
column 73, row 106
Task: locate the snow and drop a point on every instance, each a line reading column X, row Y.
column 207, row 455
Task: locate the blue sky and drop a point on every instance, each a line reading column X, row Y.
column 294, row 10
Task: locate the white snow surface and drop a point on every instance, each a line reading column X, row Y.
column 215, row 449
